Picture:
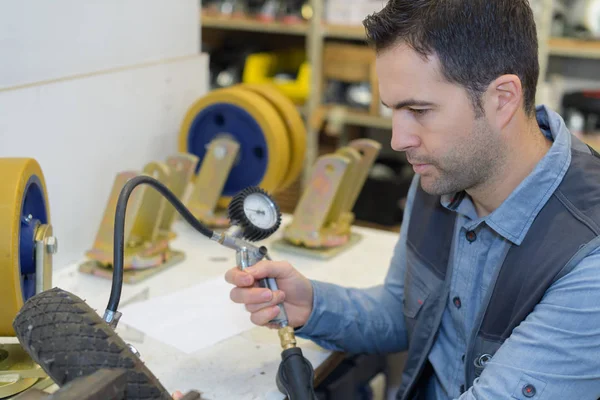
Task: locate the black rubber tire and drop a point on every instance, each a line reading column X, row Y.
column 68, row 339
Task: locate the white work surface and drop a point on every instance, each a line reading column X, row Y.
column 243, row 366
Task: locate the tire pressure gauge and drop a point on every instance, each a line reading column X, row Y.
column 255, row 212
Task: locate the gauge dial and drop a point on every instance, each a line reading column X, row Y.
column 255, row 212
column 260, row 210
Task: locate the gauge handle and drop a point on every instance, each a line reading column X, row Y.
column 246, row 258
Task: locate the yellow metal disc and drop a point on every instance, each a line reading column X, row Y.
column 267, row 118
column 295, row 128
column 18, row 174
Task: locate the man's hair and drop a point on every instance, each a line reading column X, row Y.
column 476, row 41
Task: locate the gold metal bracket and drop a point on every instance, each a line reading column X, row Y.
column 18, row 372
column 322, row 221
column 148, row 222
column 182, row 169
column 208, row 186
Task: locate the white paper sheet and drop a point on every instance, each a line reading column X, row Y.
column 192, row 318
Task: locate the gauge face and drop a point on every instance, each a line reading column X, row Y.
column 260, row 210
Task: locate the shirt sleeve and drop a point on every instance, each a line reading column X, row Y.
column 363, row 320
column 554, row 353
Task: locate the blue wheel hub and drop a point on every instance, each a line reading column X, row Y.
column 33, row 211
column 229, row 119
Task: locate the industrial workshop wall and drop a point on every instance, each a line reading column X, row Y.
column 93, row 88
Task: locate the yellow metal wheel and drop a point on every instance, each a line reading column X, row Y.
column 295, row 128
column 254, row 123
column 23, row 204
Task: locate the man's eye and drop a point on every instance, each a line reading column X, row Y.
column 418, row 111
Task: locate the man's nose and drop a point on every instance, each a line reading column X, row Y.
column 403, row 135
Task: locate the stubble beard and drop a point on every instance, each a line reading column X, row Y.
column 468, row 165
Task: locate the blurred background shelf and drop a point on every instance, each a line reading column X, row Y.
column 368, row 121
column 252, row 24
column 243, row 23
column 352, row 32
column 578, row 48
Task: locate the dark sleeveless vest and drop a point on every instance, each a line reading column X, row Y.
column 561, row 236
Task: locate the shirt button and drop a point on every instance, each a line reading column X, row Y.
column 457, row 302
column 471, row 236
column 529, row 390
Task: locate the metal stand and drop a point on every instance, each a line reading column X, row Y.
column 322, row 221
column 148, row 223
column 208, row 187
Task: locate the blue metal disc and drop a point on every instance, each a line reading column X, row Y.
column 223, row 118
column 33, row 211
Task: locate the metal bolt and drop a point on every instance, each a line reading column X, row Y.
column 133, row 350
column 28, row 219
column 220, row 152
column 52, row 245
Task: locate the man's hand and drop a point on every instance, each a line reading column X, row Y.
column 295, row 292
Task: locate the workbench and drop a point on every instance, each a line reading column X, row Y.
column 242, row 366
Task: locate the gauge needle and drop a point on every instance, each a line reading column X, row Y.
column 256, row 211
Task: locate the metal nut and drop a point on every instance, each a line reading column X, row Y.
column 52, row 245
column 220, row 152
column 134, row 350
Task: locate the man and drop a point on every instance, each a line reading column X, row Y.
column 494, row 284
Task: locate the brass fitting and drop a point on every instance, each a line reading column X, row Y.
column 287, row 337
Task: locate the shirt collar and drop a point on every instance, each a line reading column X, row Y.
column 515, row 215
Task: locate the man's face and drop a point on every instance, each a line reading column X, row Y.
column 435, row 124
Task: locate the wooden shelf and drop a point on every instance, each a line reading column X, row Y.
column 568, row 47
column 368, row 121
column 345, row 32
column 252, row 25
column 208, row 20
column 354, row 117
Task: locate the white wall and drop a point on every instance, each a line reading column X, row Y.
column 42, row 40
column 87, row 111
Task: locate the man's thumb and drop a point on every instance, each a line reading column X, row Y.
column 269, row 269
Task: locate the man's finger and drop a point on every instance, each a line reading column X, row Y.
column 237, row 277
column 262, row 317
column 251, row 295
column 278, row 297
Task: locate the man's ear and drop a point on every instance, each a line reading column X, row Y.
column 505, row 96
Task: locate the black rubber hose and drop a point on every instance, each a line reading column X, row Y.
column 119, row 232
column 295, row 376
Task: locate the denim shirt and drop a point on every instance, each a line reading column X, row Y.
column 557, row 348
